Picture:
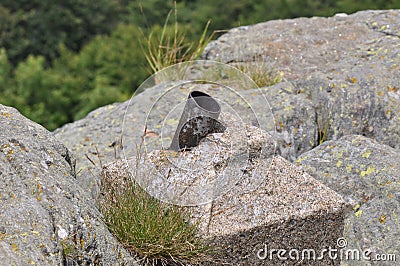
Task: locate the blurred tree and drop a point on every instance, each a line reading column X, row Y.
column 353, row 6
column 108, row 69
column 38, row 26
column 146, row 13
column 27, row 92
column 5, row 72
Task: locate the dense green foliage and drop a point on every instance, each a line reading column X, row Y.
column 39, row 26
column 58, row 60
column 108, row 69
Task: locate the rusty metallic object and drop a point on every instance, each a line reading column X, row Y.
column 199, row 118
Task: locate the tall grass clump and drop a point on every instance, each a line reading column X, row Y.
column 170, row 45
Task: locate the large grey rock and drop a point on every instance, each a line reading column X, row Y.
column 367, row 174
column 261, row 203
column 346, row 66
column 46, row 218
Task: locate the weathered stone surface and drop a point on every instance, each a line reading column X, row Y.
column 341, row 77
column 268, row 200
column 295, row 119
column 347, row 66
column 46, row 218
column 368, row 175
column 289, row 210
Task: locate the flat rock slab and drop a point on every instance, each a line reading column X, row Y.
column 46, row 218
column 367, row 174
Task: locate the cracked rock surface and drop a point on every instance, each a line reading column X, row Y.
column 46, row 218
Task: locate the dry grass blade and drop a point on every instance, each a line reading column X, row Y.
column 170, row 49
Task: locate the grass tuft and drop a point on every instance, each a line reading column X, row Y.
column 323, row 129
column 153, row 231
column 169, row 45
column 260, row 73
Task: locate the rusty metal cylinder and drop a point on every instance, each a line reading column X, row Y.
column 199, row 118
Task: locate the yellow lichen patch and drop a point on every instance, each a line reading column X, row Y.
column 299, row 160
column 5, row 114
column 339, row 163
column 32, row 262
column 294, row 130
column 369, row 170
column 390, row 196
column 380, row 93
column 87, row 139
column 288, row 108
column 353, row 80
column 366, row 154
column 2, row 236
column 382, row 219
column 392, row 89
column 39, row 191
column 349, row 167
column 358, row 213
column 14, row 246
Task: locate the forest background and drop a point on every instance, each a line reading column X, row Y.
column 61, row 59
